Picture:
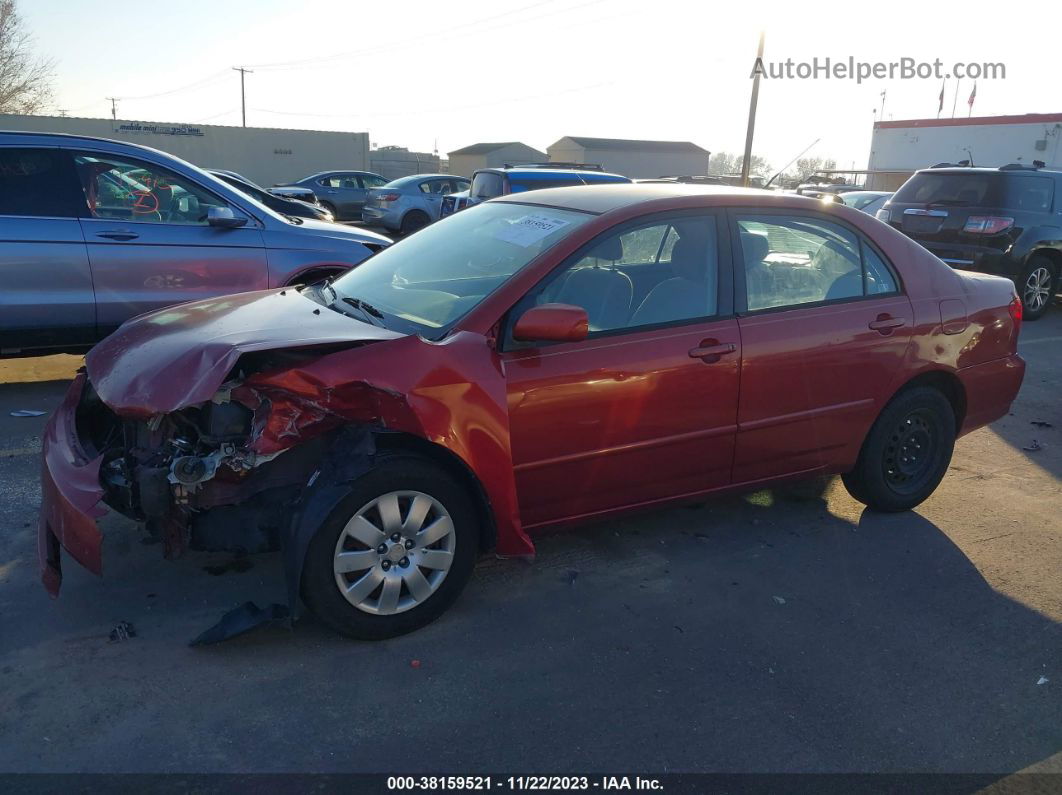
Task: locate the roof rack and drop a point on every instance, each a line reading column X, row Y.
column 575, row 166
column 1036, row 166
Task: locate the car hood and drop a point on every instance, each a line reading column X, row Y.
column 179, row 356
column 340, row 232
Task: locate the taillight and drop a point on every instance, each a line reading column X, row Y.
column 387, row 197
column 987, row 224
column 1015, row 309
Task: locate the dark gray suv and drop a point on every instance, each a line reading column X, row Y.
column 93, row 232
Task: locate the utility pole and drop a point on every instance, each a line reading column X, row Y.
column 746, row 164
column 114, row 107
column 243, row 95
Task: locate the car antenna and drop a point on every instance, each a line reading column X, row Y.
column 787, row 165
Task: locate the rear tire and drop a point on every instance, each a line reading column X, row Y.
column 413, row 221
column 1037, row 287
column 332, row 209
column 906, row 453
column 362, row 582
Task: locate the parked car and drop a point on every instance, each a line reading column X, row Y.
column 544, row 358
column 490, row 182
column 342, row 193
column 410, row 203
column 867, row 201
column 295, row 192
column 285, row 206
column 816, row 190
column 1002, row 220
column 93, row 232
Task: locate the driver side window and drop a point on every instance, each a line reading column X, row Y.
column 652, row 274
column 124, row 189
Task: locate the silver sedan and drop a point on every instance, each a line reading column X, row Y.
column 410, row 203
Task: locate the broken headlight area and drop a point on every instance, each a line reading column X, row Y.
column 191, row 476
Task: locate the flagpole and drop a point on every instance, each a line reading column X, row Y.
column 955, row 101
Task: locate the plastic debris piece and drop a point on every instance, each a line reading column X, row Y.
column 28, row 413
column 242, row 619
column 414, row 663
column 1033, row 447
column 1043, row 680
column 779, row 600
column 1041, row 424
column 122, row 631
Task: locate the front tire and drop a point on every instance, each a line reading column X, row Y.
column 395, row 553
column 1037, row 287
column 906, row 453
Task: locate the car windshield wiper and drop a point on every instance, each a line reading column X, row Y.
column 374, row 315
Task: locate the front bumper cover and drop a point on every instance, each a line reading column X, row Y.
column 70, row 496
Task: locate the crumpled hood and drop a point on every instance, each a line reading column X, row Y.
column 179, row 356
column 342, row 232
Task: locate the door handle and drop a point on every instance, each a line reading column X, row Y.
column 885, row 324
column 118, row 234
column 711, row 353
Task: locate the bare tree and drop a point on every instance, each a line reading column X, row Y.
column 25, row 79
column 726, row 163
column 806, row 166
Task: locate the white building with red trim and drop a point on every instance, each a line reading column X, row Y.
column 899, row 148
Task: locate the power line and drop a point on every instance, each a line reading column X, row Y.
column 442, row 35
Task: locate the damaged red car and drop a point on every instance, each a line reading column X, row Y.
column 538, row 360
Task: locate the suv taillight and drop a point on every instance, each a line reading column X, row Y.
column 987, row 224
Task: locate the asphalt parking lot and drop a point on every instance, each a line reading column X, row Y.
column 787, row 630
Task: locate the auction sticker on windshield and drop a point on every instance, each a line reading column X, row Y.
column 529, row 229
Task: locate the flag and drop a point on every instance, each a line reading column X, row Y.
column 973, row 95
column 940, row 105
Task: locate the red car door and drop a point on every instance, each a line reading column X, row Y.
column 645, row 408
column 824, row 331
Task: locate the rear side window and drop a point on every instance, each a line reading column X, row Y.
column 794, row 260
column 39, row 182
column 487, row 185
column 978, row 189
column 369, row 181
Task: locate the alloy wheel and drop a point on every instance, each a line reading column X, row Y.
column 1037, row 289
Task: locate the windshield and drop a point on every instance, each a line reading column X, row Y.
column 487, row 185
column 859, row 200
column 978, row 189
column 429, row 280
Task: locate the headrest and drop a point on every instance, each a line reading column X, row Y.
column 755, row 246
column 688, row 259
column 610, row 248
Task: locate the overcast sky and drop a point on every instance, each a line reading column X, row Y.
column 415, row 73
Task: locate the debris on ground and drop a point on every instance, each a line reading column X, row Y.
column 1043, row 680
column 414, row 663
column 122, row 631
column 572, row 576
column 243, row 619
column 28, row 413
column 779, row 600
column 1033, row 447
column 1041, row 424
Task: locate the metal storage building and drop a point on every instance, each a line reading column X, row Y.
column 465, row 161
column 263, row 154
column 907, row 145
column 635, row 159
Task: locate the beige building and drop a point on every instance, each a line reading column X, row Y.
column 635, row 159
column 393, row 162
column 465, row 161
column 262, row 154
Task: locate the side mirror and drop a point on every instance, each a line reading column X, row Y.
column 224, row 218
column 552, row 323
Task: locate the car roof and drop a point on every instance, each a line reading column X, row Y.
column 577, row 172
column 598, row 199
column 418, row 177
column 1014, row 172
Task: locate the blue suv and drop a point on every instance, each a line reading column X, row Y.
column 490, row 182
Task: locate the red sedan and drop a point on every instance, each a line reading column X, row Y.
column 538, row 360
